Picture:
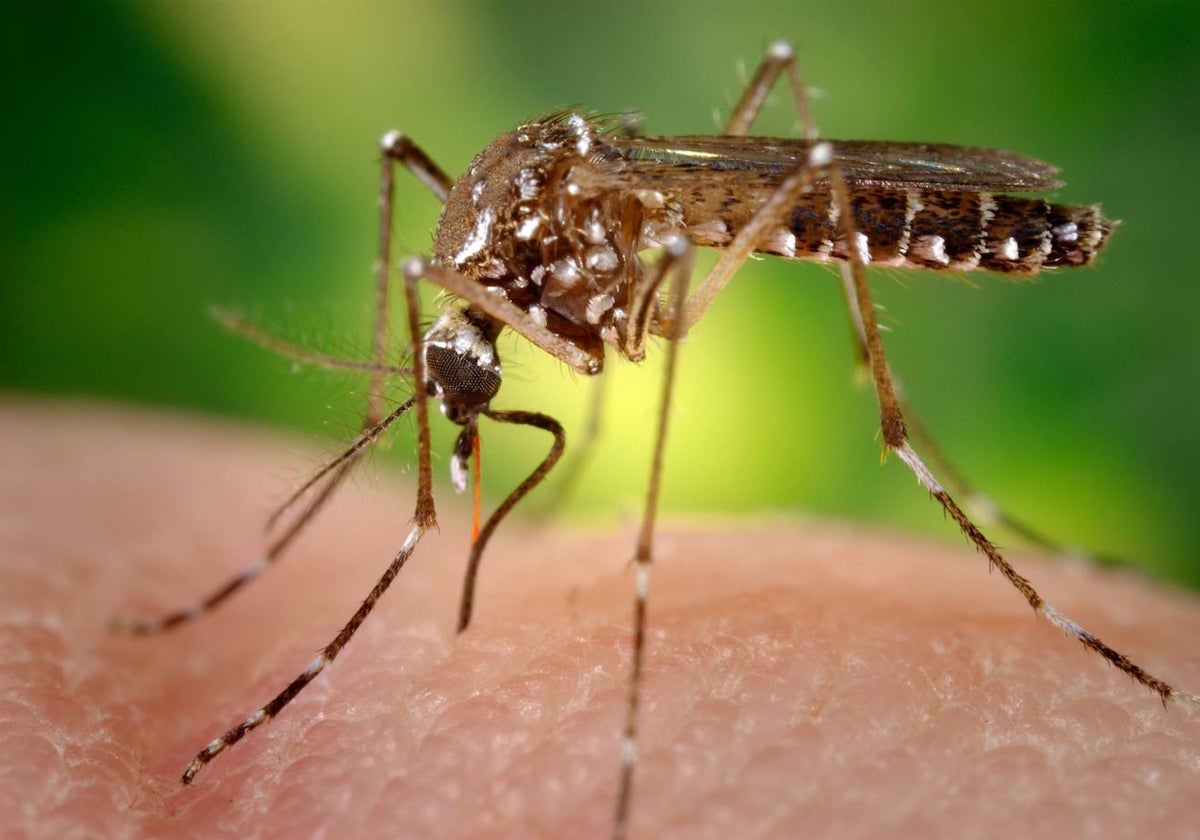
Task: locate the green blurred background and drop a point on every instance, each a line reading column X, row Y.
column 164, row 157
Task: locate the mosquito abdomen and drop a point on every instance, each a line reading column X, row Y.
column 957, row 230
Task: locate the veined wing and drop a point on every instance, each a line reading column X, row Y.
column 936, row 166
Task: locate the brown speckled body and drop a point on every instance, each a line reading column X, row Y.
column 554, row 214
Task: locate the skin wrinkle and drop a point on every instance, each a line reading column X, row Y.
column 803, row 679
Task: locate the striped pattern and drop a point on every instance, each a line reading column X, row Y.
column 933, row 229
column 267, row 712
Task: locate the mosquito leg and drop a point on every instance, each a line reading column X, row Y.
column 394, row 148
column 779, row 58
column 644, row 310
column 743, row 244
column 677, row 259
column 150, row 627
column 345, row 460
column 237, row 324
column 397, row 148
column 401, row 149
column 328, row 477
column 895, row 439
column 982, row 506
column 629, row 124
column 330, row 652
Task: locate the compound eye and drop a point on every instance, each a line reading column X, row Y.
column 463, row 381
column 461, row 365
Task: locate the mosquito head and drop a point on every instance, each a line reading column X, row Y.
column 461, row 366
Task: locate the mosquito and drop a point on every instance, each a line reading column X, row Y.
column 579, row 235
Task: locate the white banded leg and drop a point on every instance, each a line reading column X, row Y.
column 676, row 260
column 148, row 627
column 895, row 439
column 394, row 148
column 982, row 507
column 327, row 655
column 780, row 58
column 326, row 481
column 339, row 468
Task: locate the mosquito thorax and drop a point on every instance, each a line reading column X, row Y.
column 461, row 365
column 539, row 219
column 495, row 201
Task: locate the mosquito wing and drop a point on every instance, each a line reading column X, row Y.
column 865, row 163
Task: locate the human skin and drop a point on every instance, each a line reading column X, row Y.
column 805, row 680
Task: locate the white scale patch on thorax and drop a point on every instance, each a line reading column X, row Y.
column 593, row 230
column 583, row 136
column 602, row 258
column 566, row 272
column 478, row 238
column 528, row 184
column 597, row 306
column 529, row 227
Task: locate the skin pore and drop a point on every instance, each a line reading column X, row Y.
column 804, row 679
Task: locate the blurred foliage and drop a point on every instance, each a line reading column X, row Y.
column 164, row 157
